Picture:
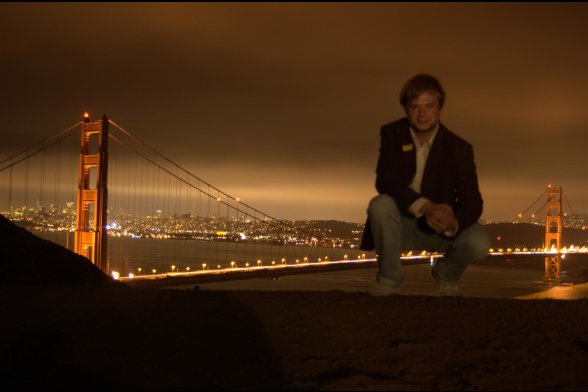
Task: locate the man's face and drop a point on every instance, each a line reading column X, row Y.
column 423, row 112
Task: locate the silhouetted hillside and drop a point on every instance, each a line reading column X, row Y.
column 26, row 259
column 332, row 228
column 511, row 235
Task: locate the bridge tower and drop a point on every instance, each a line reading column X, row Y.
column 553, row 228
column 90, row 238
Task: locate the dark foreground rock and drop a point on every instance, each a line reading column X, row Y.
column 65, row 325
column 26, row 259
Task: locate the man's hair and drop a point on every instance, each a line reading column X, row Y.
column 419, row 84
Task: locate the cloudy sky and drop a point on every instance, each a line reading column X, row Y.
column 282, row 104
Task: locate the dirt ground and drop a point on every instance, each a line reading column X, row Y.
column 65, row 325
column 57, row 337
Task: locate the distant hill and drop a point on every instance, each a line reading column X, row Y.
column 331, row 228
column 509, row 235
column 503, row 235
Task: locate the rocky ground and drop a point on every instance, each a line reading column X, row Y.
column 71, row 337
column 75, row 329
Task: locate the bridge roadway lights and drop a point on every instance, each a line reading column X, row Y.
column 209, row 276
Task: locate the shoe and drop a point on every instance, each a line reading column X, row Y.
column 381, row 290
column 450, row 290
column 447, row 289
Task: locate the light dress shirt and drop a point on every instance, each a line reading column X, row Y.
column 422, row 153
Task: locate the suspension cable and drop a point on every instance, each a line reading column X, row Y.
column 531, row 206
column 227, row 203
column 569, row 205
column 133, row 137
column 52, row 141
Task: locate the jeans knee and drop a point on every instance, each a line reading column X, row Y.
column 478, row 242
column 382, row 205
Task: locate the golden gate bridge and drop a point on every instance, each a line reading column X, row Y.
column 102, row 199
column 138, row 215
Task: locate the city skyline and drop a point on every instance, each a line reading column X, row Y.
column 281, row 104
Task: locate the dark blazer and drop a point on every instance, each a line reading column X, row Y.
column 449, row 176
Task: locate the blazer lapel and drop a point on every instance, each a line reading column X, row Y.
column 408, row 154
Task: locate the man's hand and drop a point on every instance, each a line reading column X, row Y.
column 439, row 217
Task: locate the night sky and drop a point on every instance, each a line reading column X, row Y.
column 281, row 104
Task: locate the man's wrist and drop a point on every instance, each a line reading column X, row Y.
column 419, row 206
column 452, row 232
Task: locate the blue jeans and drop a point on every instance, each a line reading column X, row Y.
column 394, row 233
